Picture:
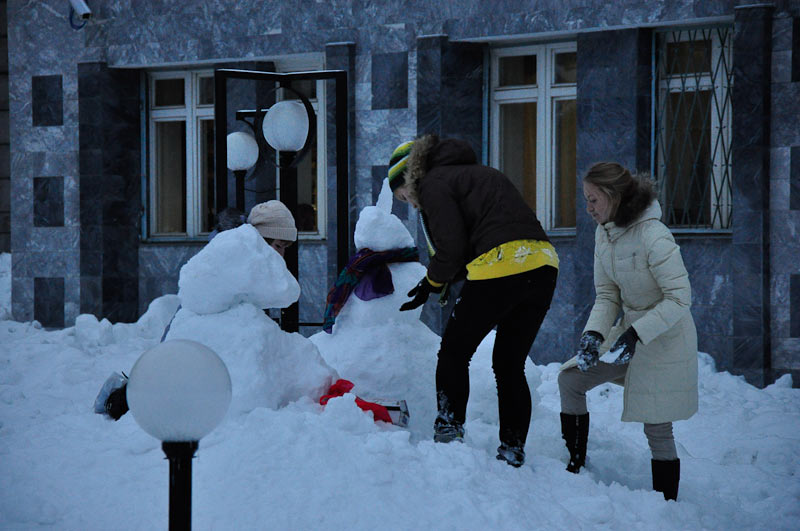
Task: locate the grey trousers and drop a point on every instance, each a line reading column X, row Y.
column 573, row 385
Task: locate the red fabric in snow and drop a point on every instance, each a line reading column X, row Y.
column 345, row 386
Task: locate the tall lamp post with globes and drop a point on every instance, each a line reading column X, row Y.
column 288, row 127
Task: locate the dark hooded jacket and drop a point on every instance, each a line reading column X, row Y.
column 468, row 208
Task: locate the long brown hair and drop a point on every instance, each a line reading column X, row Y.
column 629, row 195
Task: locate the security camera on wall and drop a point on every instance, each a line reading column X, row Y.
column 81, row 9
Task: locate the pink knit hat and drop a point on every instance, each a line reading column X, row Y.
column 273, row 220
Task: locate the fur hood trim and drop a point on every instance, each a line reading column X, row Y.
column 417, row 163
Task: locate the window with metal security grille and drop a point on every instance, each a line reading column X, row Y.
column 533, row 127
column 692, row 126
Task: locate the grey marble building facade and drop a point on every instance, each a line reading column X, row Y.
column 79, row 145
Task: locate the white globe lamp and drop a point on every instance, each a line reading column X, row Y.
column 286, row 126
column 242, row 151
column 178, row 391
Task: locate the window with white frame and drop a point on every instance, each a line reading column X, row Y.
column 181, row 147
column 533, row 127
column 181, row 187
column 692, row 148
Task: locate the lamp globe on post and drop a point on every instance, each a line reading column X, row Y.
column 178, row 392
column 287, row 127
column 242, row 155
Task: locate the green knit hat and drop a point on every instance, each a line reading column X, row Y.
column 397, row 165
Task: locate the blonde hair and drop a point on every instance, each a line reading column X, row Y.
column 629, row 195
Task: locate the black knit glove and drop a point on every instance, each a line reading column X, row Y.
column 420, row 292
column 587, row 350
column 626, row 346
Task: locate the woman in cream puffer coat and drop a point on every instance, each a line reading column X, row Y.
column 638, row 270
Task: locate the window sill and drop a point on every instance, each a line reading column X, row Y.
column 561, row 233
column 310, row 237
column 175, row 241
column 701, row 233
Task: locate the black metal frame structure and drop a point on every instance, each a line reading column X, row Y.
column 287, row 161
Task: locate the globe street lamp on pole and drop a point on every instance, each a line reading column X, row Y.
column 178, row 392
column 242, row 155
column 288, row 158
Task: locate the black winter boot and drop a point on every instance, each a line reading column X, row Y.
column 666, row 476
column 513, row 455
column 575, row 432
column 445, row 432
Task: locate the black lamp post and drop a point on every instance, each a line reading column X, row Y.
column 278, row 124
column 180, row 455
column 178, row 391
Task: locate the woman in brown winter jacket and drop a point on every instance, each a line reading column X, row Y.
column 638, row 270
column 477, row 225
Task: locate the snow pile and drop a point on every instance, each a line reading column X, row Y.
column 94, row 335
column 236, row 266
column 281, row 461
column 223, row 290
column 307, row 467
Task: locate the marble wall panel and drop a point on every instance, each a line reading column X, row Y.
column 785, row 356
column 782, row 66
column 21, row 296
column 748, row 355
column 785, row 235
column 47, row 105
column 796, row 47
column 312, row 269
column 159, row 267
column 782, row 34
column 48, row 201
column 750, row 144
column 390, row 80
column 91, row 298
column 794, row 308
column 785, row 114
column 119, row 295
column 48, row 301
column 47, row 263
column 794, row 178
column 47, row 239
column 780, row 189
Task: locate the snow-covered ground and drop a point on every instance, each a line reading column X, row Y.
column 279, row 460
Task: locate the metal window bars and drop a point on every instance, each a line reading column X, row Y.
column 692, row 79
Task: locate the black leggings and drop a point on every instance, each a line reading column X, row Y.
column 516, row 305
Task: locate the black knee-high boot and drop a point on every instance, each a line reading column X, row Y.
column 575, row 432
column 666, row 476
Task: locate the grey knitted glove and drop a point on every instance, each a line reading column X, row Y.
column 587, row 350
